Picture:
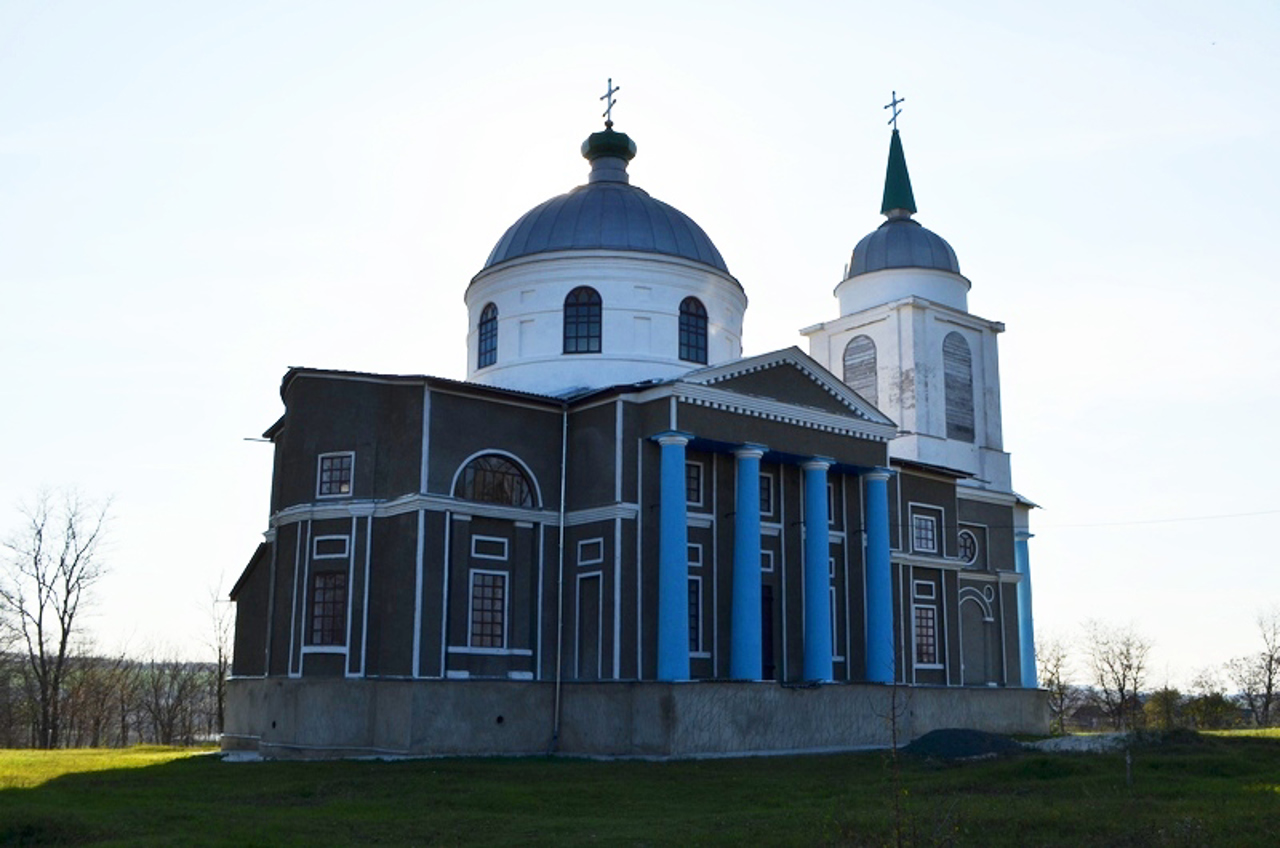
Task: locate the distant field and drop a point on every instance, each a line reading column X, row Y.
column 1222, row 789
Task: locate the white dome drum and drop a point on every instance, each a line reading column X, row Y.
column 601, row 286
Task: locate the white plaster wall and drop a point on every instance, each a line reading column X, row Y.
column 908, row 334
column 867, row 291
column 641, row 295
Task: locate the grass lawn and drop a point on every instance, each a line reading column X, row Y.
column 1208, row 790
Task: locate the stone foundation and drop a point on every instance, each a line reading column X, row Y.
column 324, row 718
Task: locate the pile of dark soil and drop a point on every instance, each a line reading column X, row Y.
column 958, row 743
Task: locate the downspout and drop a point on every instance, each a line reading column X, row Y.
column 564, row 464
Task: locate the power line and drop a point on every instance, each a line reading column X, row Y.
column 1165, row 520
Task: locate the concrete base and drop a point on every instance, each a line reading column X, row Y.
column 325, row 718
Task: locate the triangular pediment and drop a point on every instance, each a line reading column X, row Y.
column 790, row 377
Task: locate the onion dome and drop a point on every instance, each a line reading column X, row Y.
column 608, row 213
column 900, row 242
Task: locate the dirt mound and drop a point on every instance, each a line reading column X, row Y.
column 958, row 743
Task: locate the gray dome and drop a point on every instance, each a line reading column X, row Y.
column 608, row 213
column 902, row 243
column 607, row 216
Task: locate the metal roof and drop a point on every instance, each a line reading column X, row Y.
column 607, row 216
column 902, row 243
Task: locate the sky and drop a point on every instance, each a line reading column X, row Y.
column 196, row 196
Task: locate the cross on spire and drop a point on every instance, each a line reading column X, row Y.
column 893, row 104
column 608, row 112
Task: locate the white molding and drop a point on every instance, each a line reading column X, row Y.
column 315, row 545
column 495, row 652
column 503, row 541
column 594, row 559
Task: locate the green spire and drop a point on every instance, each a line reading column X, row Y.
column 897, row 183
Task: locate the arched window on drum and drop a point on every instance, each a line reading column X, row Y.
column 487, row 337
column 582, row 319
column 860, row 367
column 493, row 478
column 693, row 331
column 957, row 369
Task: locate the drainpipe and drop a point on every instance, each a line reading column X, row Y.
column 564, row 464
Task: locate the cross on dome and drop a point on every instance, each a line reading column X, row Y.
column 608, row 95
column 892, row 104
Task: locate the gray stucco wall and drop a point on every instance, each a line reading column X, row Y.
column 334, row 718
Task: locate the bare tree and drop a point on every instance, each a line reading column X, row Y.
column 51, row 565
column 1257, row 675
column 222, row 621
column 1117, row 658
column 1054, row 664
column 169, row 696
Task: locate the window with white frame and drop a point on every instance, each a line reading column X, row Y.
column 329, row 608
column 695, row 615
column 488, row 609
column 924, row 613
column 333, row 477
column 694, row 554
column 924, row 534
column 766, row 494
column 831, row 503
column 693, row 483
column 766, row 560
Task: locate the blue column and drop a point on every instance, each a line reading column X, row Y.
column 1026, row 630
column 817, row 579
column 744, row 647
column 880, row 642
column 673, row 561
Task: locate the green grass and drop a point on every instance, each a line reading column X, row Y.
column 1208, row 790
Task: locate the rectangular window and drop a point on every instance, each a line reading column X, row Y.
column 924, row 534
column 831, row 504
column 766, row 560
column 488, row 609
column 329, row 608
column 926, row 635
column 766, row 494
column 693, row 483
column 694, row 555
column 695, row 615
column 334, row 477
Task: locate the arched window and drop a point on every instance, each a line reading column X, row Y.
column 494, row 479
column 957, row 369
column 860, row 367
column 487, row 337
column 582, row 321
column 693, row 331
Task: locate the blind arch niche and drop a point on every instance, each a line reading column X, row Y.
column 957, row 369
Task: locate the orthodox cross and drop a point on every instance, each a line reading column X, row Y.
column 608, row 95
column 893, row 104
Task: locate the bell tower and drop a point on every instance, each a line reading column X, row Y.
column 906, row 341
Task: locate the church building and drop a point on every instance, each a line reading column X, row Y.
column 619, row 536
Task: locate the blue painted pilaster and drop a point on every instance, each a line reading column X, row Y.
column 744, row 648
column 880, row 642
column 673, row 561
column 1026, row 629
column 817, row 579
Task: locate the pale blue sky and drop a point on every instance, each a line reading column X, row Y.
column 195, row 196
